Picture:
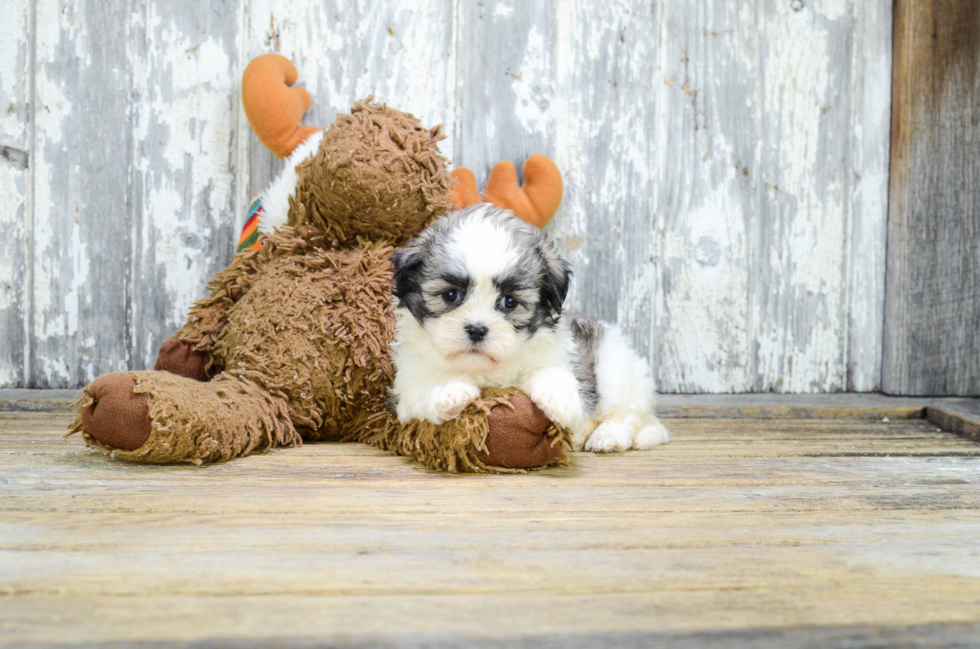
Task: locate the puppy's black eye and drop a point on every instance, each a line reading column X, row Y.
column 452, row 296
column 507, row 303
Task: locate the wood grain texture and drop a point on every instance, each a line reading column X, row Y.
column 506, row 83
column 15, row 142
column 756, row 208
column 402, row 54
column 735, row 530
column 82, row 166
column 865, row 406
column 932, row 341
column 961, row 417
column 608, row 125
column 671, row 406
column 185, row 116
column 867, row 159
column 724, row 165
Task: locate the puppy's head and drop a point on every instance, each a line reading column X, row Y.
column 481, row 282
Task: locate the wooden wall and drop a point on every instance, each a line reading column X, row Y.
column 932, row 321
column 726, row 164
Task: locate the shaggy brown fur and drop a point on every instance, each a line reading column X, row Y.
column 201, row 422
column 460, row 446
column 378, row 175
column 325, row 348
column 296, row 334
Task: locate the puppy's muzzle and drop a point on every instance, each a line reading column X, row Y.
column 476, row 332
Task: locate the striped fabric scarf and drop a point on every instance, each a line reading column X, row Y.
column 249, row 239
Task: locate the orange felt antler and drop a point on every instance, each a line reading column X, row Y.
column 535, row 202
column 274, row 106
column 464, row 193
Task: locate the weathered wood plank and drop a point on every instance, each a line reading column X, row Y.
column 818, row 56
column 707, row 143
column 711, row 466
column 606, row 123
column 506, row 85
column 82, row 166
column 401, row 54
column 744, row 619
column 15, row 142
column 419, row 564
column 869, row 89
column 25, row 400
column 652, row 111
column 138, row 533
column 932, row 341
column 960, row 417
column 184, row 115
column 340, row 543
column 757, row 207
column 670, row 406
column 631, row 143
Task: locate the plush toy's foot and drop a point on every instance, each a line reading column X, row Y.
column 180, row 358
column 159, row 418
column 114, row 415
column 501, row 432
column 516, row 439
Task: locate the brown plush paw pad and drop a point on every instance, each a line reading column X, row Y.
column 516, row 439
column 182, row 359
column 117, row 418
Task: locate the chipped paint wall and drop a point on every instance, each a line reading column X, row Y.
column 725, row 164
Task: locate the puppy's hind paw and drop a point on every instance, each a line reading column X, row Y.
column 610, row 437
column 450, row 399
column 653, row 434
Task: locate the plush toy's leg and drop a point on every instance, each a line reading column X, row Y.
column 520, row 436
column 160, row 418
column 180, row 358
column 500, row 432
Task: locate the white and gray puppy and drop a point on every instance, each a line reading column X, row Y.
column 480, row 297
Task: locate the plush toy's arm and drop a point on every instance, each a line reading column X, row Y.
column 274, row 108
column 190, row 352
column 536, row 201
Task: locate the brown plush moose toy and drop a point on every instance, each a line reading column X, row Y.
column 292, row 342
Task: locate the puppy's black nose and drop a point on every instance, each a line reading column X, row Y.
column 476, row 332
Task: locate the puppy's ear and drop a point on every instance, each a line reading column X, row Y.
column 407, row 263
column 557, row 275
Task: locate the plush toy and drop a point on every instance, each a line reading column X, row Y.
column 292, row 343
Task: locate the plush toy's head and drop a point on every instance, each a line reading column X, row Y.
column 376, row 174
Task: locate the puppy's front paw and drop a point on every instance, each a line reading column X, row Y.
column 555, row 391
column 610, row 437
column 449, row 399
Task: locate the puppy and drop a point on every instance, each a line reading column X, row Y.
column 479, row 297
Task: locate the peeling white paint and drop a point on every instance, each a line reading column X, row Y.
column 704, row 314
column 503, row 10
column 51, row 116
column 192, row 119
column 401, row 54
column 870, row 108
column 532, row 86
column 725, row 164
column 13, row 70
column 14, row 186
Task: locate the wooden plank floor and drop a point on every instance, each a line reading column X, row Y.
column 770, row 533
